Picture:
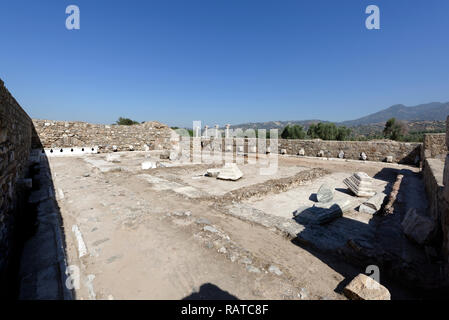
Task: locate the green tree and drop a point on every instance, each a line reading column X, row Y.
column 394, row 130
column 126, row 122
column 328, row 131
column 343, row 133
column 293, row 132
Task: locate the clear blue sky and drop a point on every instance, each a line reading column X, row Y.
column 222, row 61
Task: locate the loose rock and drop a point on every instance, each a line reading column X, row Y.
column 363, row 287
column 363, row 156
column 230, row 172
column 149, row 165
column 418, row 227
column 212, row 172
column 275, row 270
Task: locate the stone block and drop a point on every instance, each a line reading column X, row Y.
column 301, row 152
column 389, row 159
column 325, row 194
column 174, row 156
column 212, row 172
column 363, row 287
column 360, row 184
column 374, row 204
column 418, row 227
column 363, row 156
column 149, row 165
column 165, row 155
column 230, row 172
column 322, row 214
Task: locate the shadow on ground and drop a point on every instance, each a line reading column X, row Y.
column 209, row 291
column 38, row 267
column 349, row 246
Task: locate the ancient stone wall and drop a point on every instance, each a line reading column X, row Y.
column 401, row 152
column 434, row 146
column 436, row 178
column 443, row 202
column 15, row 145
column 64, row 134
column 433, row 179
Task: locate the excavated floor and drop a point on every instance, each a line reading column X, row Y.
column 171, row 233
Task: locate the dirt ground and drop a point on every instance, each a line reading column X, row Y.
column 157, row 234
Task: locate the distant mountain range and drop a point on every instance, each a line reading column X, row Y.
column 434, row 111
column 423, row 117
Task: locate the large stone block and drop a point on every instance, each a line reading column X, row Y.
column 360, row 184
column 373, row 204
column 322, row 213
column 363, row 287
column 418, row 228
column 230, row 172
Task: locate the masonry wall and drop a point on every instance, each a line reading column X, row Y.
column 433, row 180
column 402, row 152
column 375, row 150
column 15, row 145
column 436, row 178
column 434, row 146
column 64, row 134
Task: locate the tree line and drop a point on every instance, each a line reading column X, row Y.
column 393, row 130
column 321, row 130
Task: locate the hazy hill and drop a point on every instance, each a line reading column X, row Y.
column 423, row 117
column 435, row 111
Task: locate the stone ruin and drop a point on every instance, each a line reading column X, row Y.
column 360, row 184
column 429, row 229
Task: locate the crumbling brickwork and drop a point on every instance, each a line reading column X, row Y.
column 64, row 134
column 15, row 145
